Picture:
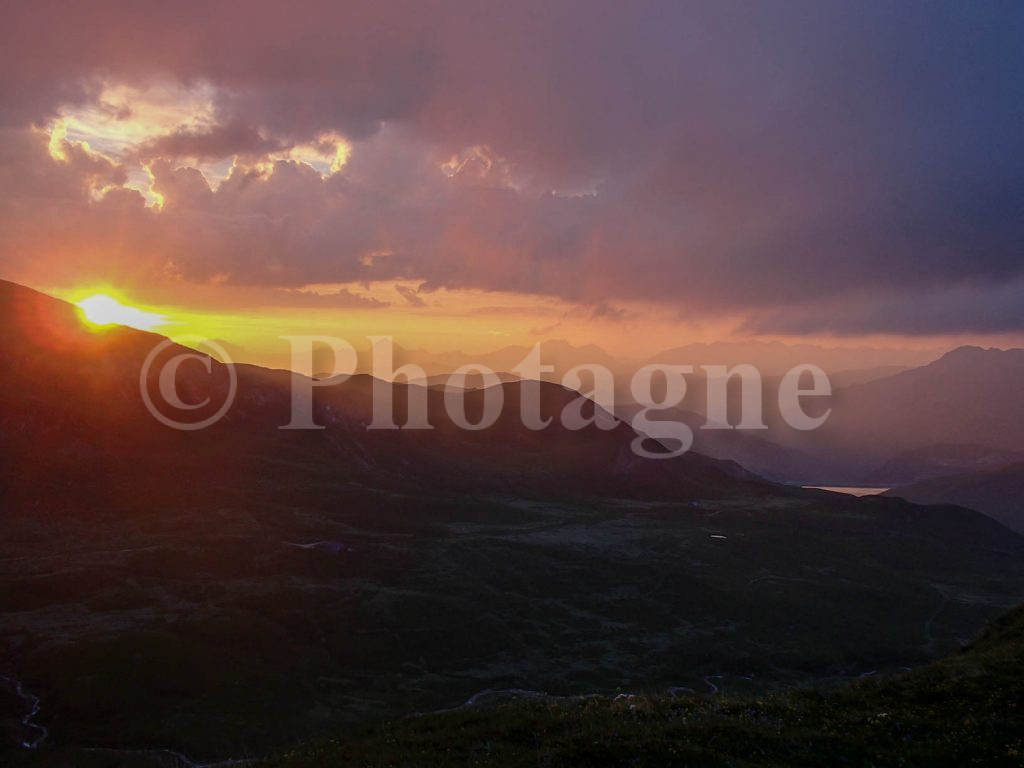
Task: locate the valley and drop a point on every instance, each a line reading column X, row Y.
column 245, row 589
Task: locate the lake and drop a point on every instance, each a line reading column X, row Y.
column 848, row 489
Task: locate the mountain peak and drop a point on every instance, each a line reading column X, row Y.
column 969, row 353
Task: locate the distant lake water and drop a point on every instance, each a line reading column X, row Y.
column 852, row 490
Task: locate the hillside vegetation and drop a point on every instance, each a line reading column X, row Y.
column 963, row 710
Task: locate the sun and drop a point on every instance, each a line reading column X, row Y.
column 100, row 309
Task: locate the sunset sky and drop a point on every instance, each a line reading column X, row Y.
column 471, row 175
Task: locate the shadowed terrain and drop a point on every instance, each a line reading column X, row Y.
column 232, row 591
column 957, row 712
column 999, row 493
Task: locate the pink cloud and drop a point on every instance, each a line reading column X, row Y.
column 719, row 159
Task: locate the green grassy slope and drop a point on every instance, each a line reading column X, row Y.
column 964, row 710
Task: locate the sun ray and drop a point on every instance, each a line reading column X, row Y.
column 102, row 310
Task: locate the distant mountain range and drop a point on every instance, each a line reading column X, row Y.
column 959, row 413
column 969, row 396
column 845, row 365
column 774, row 358
column 879, row 421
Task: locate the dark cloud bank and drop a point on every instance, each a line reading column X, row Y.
column 851, row 168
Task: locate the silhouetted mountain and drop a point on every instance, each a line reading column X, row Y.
column 999, row 493
column 70, row 390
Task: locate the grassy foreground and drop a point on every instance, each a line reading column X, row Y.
column 964, row 710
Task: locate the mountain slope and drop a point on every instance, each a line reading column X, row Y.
column 968, row 396
column 72, row 392
column 956, row 712
column 937, row 461
column 999, row 493
column 748, row 448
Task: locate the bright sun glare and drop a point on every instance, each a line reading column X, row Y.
column 104, row 310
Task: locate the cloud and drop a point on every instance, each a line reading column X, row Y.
column 220, row 141
column 604, row 310
column 410, row 295
column 339, row 299
column 808, row 168
column 985, row 307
